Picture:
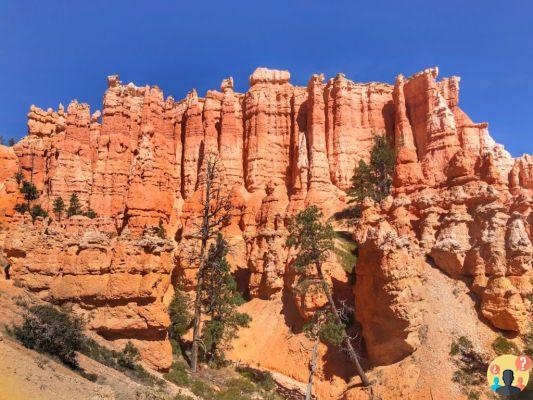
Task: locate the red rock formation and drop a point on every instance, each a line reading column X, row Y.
column 459, row 200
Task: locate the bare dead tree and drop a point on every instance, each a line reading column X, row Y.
column 215, row 212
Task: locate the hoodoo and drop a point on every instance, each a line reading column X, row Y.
column 460, row 207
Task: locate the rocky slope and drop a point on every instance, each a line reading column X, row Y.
column 460, row 203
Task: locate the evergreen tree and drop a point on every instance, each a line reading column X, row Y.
column 74, row 207
column 11, row 142
column 1, row 140
column 19, row 177
column 313, row 241
column 215, row 213
column 180, row 316
column 58, row 207
column 374, row 180
column 220, row 300
column 29, row 191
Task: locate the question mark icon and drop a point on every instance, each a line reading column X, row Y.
column 495, row 369
column 523, row 363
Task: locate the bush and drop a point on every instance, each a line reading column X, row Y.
column 178, row 374
column 49, row 330
column 38, row 211
column 183, row 397
column 471, row 365
column 90, row 213
column 22, row 208
column 503, row 346
column 128, row 357
column 202, row 390
column 123, row 361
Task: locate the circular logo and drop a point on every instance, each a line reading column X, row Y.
column 508, row 374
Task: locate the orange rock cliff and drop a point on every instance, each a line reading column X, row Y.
column 460, row 202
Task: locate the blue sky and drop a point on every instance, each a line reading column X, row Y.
column 55, row 51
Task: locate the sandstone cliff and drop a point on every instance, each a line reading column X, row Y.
column 460, row 202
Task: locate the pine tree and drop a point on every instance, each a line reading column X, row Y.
column 215, row 213
column 313, row 241
column 180, row 316
column 29, row 191
column 19, row 177
column 59, row 206
column 374, row 180
column 220, row 300
column 11, row 142
column 74, row 207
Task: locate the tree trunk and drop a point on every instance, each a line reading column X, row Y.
column 200, row 279
column 197, row 311
column 312, row 369
column 351, row 351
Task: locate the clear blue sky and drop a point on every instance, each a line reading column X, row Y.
column 55, row 51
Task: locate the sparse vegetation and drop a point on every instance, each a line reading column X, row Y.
column 471, row 366
column 374, row 179
column 125, row 361
column 52, row 331
column 37, row 211
column 251, row 384
column 502, row 345
column 58, row 207
column 90, row 213
column 74, row 207
column 30, row 193
column 220, row 300
column 161, row 230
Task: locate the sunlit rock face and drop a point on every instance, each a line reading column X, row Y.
column 460, row 202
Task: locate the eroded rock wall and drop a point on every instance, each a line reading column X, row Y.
column 460, row 202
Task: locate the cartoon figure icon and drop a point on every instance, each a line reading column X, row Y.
column 496, row 385
column 508, row 374
column 508, row 389
column 520, row 383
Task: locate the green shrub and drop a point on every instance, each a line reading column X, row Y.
column 462, row 344
column 90, row 213
column 503, row 346
column 37, row 211
column 128, row 357
column 201, row 389
column 49, row 330
column 471, row 366
column 22, row 208
column 178, row 374
column 123, row 361
column 183, row 397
